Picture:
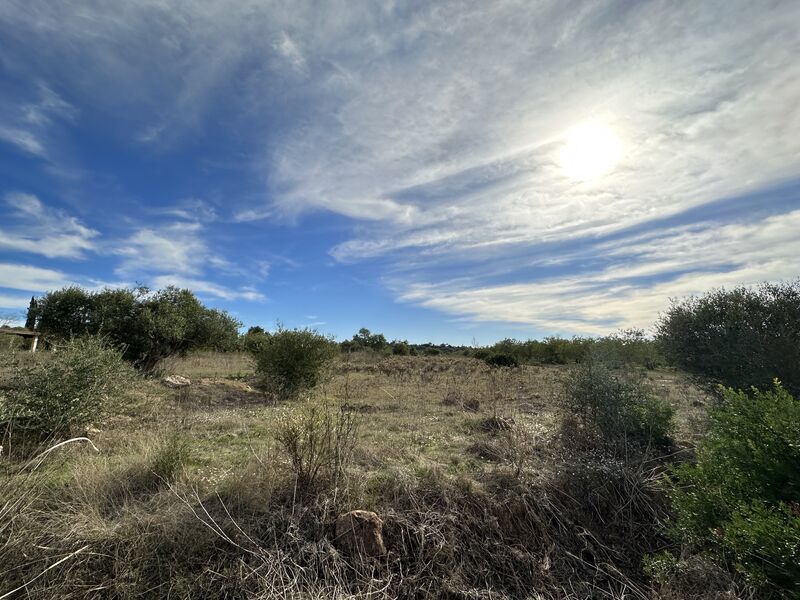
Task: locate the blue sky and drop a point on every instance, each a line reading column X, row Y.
column 452, row 172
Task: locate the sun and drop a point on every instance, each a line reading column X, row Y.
column 591, row 150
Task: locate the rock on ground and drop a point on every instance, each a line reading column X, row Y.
column 360, row 532
column 176, row 381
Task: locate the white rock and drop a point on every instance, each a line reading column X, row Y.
column 176, row 381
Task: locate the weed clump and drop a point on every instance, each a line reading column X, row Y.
column 291, row 361
column 169, row 459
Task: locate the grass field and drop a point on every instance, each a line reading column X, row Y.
column 190, row 495
column 416, row 411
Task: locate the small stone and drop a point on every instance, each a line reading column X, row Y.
column 176, row 381
column 360, row 532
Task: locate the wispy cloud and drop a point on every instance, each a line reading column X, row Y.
column 423, row 118
column 19, row 281
column 176, row 248
column 453, row 141
column 27, row 126
column 289, row 49
column 28, row 277
column 190, row 209
column 644, row 275
column 35, row 228
column 22, row 139
column 13, row 310
column 178, row 254
column 207, row 287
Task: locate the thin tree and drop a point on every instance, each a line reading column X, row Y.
column 30, row 321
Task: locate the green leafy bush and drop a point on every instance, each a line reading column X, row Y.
column 628, row 347
column 401, row 348
column 501, row 360
column 740, row 502
column 293, row 360
column 66, row 389
column 254, row 339
column 621, row 409
column 739, row 337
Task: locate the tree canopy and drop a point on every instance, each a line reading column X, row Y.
column 147, row 325
column 740, row 337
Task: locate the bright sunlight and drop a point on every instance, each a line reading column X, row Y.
column 591, row 150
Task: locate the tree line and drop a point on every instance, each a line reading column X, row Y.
column 146, row 325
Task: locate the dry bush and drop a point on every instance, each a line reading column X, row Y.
column 21, row 488
column 319, row 441
column 472, row 405
column 459, row 398
column 511, row 446
column 453, row 398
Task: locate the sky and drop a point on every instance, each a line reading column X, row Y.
column 457, row 172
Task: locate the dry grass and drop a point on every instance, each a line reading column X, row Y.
column 210, row 364
column 471, row 511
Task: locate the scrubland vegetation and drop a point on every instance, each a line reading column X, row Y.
column 620, row 467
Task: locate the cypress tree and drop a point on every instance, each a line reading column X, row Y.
column 30, row 322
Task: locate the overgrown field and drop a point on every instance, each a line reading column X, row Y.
column 199, row 492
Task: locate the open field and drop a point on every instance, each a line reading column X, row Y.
column 417, row 411
column 191, row 495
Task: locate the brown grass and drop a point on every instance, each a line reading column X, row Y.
column 470, row 511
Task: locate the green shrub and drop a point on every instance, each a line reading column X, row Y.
column 559, row 351
column 739, row 337
column 293, row 360
column 255, row 339
column 481, row 353
column 621, row 409
column 501, row 360
column 740, row 501
column 401, row 348
column 628, row 347
column 66, row 389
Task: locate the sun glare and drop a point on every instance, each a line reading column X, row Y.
column 591, row 150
